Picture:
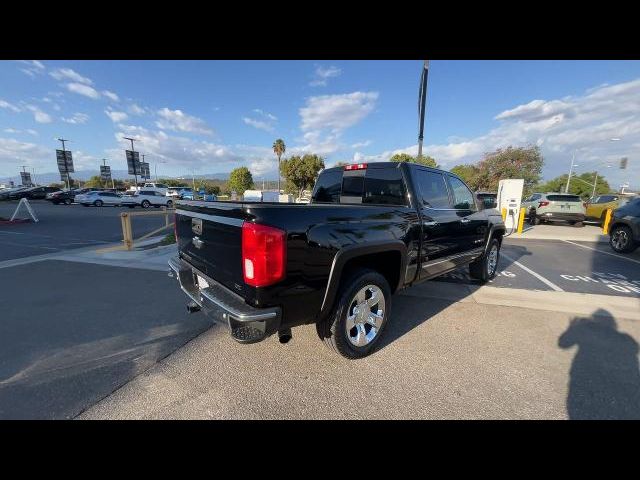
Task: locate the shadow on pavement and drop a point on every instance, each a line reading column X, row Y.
column 411, row 310
column 73, row 333
column 605, row 378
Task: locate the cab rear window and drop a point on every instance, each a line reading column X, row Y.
column 563, row 198
column 374, row 186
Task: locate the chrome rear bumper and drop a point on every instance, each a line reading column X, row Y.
column 246, row 323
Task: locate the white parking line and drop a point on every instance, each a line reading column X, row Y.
column 600, row 251
column 537, row 275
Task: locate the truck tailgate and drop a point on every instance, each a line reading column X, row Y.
column 210, row 238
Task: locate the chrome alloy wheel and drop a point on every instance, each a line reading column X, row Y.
column 365, row 315
column 492, row 261
column 620, row 239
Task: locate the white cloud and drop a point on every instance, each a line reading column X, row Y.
column 337, row 111
column 14, row 153
column 38, row 115
column 265, row 114
column 30, row 131
column 366, row 143
column 323, row 74
column 83, row 89
column 136, row 109
column 259, row 124
column 110, row 95
column 116, row 117
column 326, row 117
column 33, row 67
column 9, row 106
column 179, row 121
column 77, row 118
column 71, row 75
column 265, row 121
column 559, row 126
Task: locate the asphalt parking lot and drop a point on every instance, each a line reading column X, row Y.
column 92, row 340
column 557, row 265
column 64, row 227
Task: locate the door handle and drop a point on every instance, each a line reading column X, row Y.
column 464, row 220
column 429, row 224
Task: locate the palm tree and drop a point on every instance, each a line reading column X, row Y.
column 279, row 148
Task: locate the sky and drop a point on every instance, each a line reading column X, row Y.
column 212, row 116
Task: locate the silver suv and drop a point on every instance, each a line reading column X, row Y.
column 544, row 207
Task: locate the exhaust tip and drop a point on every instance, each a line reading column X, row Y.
column 285, row 335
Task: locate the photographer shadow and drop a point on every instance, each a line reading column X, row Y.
column 605, row 378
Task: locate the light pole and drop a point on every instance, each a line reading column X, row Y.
column 566, row 190
column 422, row 103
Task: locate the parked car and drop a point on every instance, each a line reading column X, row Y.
column 187, row 195
column 62, row 196
column 158, row 187
column 32, row 193
column 597, row 206
column 551, row 207
column 490, row 199
column 624, row 227
column 99, row 199
column 370, row 231
column 177, row 192
column 146, row 199
column 6, row 194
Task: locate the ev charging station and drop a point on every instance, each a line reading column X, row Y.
column 509, row 197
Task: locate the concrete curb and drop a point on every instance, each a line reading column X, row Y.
column 585, row 304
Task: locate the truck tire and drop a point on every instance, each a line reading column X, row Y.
column 484, row 268
column 621, row 239
column 361, row 312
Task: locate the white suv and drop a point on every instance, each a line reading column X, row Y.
column 147, row 198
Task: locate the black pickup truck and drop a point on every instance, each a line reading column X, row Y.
column 369, row 231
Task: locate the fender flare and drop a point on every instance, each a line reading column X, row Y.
column 350, row 252
column 492, row 229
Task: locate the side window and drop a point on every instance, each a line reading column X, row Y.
column 433, row 190
column 327, row 188
column 384, row 186
column 462, row 196
column 535, row 197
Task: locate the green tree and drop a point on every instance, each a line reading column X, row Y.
column 469, row 173
column 240, row 179
column 301, row 172
column 279, row 148
column 580, row 185
column 511, row 162
column 422, row 160
column 94, row 182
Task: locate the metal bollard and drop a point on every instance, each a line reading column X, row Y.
column 607, row 220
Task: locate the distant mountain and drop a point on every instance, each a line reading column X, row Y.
column 54, row 177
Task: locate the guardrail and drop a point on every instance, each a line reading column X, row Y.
column 127, row 232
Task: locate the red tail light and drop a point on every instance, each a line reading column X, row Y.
column 264, row 254
column 356, row 166
column 543, row 204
